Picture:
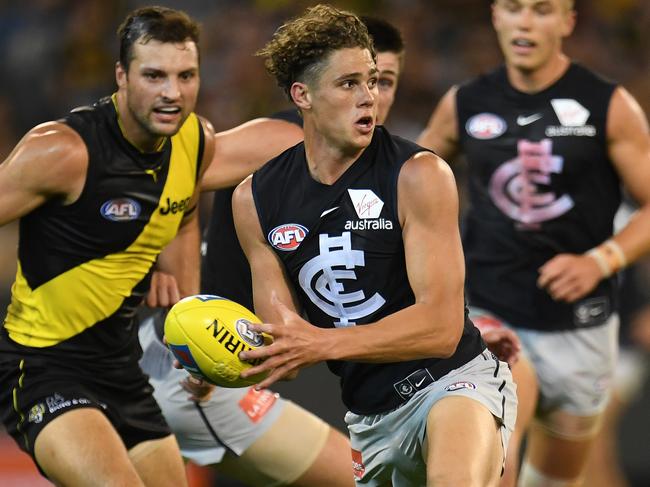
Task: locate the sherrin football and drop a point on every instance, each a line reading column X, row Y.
column 206, row 333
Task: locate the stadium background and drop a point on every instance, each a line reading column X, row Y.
column 58, row 54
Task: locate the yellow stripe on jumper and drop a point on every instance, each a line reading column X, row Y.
column 74, row 301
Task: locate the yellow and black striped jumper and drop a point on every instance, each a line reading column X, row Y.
column 69, row 339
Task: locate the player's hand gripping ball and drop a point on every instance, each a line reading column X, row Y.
column 206, row 333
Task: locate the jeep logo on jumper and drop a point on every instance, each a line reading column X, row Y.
column 322, row 279
column 287, row 237
column 120, row 209
column 174, row 207
column 516, row 186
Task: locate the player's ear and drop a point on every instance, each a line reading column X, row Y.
column 568, row 23
column 120, row 75
column 300, row 95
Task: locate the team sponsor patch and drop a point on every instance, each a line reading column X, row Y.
column 366, row 203
column 460, row 385
column 57, row 402
column 569, row 112
column 357, row 464
column 176, row 206
column 255, row 404
column 486, row 126
column 120, row 209
column 573, row 119
column 287, row 237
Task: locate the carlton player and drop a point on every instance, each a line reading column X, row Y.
column 548, row 144
column 428, row 403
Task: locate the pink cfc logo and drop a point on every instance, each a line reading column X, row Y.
column 516, row 186
column 287, row 237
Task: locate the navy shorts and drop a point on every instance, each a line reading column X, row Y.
column 34, row 391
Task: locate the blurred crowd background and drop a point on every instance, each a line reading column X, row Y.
column 58, row 54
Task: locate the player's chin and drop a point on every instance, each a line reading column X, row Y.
column 165, row 129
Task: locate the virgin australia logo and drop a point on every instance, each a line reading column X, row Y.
column 368, row 207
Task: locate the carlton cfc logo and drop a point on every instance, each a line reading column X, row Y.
column 287, row 237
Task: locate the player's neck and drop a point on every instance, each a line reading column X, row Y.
column 325, row 160
column 132, row 131
column 534, row 81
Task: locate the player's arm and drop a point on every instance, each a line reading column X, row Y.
column 49, row 162
column 177, row 272
column 429, row 328
column 441, row 133
column 267, row 271
column 428, row 213
column 240, row 151
column 569, row 277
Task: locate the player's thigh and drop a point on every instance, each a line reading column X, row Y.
column 159, row 462
column 295, row 449
column 333, row 465
column 463, row 444
column 81, row 448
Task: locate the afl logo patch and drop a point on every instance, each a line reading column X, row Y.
column 485, row 126
column 287, row 237
column 459, row 385
column 120, row 209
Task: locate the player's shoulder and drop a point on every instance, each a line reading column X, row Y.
column 488, row 80
column 284, row 163
column 56, row 140
column 587, row 77
column 423, row 167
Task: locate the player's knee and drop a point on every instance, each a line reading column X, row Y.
column 531, row 477
column 570, row 427
column 454, row 479
column 462, row 476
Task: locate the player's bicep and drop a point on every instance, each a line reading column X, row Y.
column 267, row 270
column 441, row 132
column 629, row 144
column 428, row 208
column 50, row 161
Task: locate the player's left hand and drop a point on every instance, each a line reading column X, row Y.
column 500, row 340
column 163, row 291
column 199, row 389
column 569, row 277
column 296, row 344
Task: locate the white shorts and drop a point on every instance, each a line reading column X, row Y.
column 574, row 367
column 232, row 419
column 389, row 445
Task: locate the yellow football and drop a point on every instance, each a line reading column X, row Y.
column 206, row 333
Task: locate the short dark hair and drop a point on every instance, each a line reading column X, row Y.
column 160, row 23
column 385, row 36
column 298, row 49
